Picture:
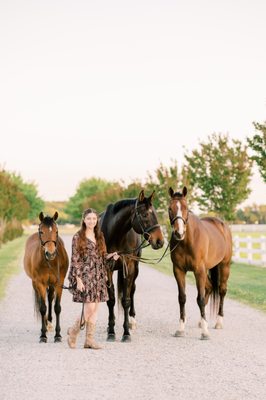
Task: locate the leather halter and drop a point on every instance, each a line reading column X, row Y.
column 179, row 217
column 145, row 231
column 47, row 241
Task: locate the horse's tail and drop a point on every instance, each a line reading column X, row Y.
column 214, row 297
column 120, row 281
column 36, row 303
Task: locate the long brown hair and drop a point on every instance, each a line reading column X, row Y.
column 82, row 242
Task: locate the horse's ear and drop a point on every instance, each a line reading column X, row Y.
column 55, row 216
column 171, row 192
column 184, row 191
column 141, row 195
column 41, row 216
column 152, row 196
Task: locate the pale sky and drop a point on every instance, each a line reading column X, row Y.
column 111, row 89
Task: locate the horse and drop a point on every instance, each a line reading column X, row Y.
column 122, row 224
column 46, row 263
column 204, row 246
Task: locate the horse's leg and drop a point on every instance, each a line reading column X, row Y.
column 57, row 310
column 126, row 298
column 224, row 275
column 40, row 295
column 111, row 304
column 50, row 296
column 126, row 302
column 180, row 277
column 132, row 312
column 201, row 278
column 208, row 289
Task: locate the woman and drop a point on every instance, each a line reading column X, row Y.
column 88, row 275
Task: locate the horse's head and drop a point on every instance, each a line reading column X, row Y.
column 48, row 234
column 145, row 222
column 178, row 212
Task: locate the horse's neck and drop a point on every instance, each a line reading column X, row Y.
column 123, row 219
column 192, row 227
column 116, row 221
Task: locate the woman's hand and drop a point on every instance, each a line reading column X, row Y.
column 80, row 285
column 114, row 255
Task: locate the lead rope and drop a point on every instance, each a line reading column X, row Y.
column 82, row 316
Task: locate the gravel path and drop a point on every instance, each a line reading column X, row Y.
column 155, row 365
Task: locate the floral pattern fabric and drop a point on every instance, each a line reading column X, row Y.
column 92, row 269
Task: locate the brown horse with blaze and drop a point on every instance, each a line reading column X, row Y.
column 46, row 263
column 203, row 246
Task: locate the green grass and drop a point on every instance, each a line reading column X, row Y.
column 10, row 261
column 246, row 284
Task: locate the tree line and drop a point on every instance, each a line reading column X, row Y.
column 19, row 201
column 217, row 175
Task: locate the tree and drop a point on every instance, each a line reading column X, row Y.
column 36, row 204
column 219, row 174
column 13, row 203
column 161, row 180
column 258, row 145
column 93, row 192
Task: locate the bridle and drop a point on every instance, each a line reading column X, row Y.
column 47, row 241
column 179, row 217
column 144, row 231
column 185, row 221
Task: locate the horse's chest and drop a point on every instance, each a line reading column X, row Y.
column 184, row 258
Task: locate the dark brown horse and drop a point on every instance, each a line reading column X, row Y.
column 203, row 246
column 46, row 263
column 122, row 224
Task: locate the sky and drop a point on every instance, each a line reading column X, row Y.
column 113, row 88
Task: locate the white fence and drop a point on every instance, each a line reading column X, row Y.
column 249, row 250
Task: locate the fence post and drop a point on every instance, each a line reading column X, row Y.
column 263, row 251
column 249, row 249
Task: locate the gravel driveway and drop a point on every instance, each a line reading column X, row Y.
column 155, row 365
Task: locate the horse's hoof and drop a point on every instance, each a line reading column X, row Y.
column 218, row 326
column 179, row 334
column 43, row 339
column 126, row 338
column 204, row 336
column 111, row 337
column 58, row 339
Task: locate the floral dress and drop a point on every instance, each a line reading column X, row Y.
column 92, row 269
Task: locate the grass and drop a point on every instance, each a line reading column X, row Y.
column 10, row 260
column 246, row 283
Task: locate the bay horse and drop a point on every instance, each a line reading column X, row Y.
column 122, row 224
column 46, row 263
column 204, row 246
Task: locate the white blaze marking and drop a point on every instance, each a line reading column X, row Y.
column 179, row 220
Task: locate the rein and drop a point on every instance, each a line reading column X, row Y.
column 145, row 260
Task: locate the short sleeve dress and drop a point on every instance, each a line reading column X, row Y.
column 92, row 269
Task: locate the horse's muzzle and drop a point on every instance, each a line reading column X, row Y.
column 177, row 236
column 50, row 256
column 157, row 244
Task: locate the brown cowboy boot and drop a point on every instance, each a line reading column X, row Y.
column 73, row 332
column 89, row 341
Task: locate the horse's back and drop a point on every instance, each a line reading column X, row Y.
column 219, row 238
column 31, row 253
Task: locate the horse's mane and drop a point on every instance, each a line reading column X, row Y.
column 178, row 194
column 121, row 204
column 48, row 221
